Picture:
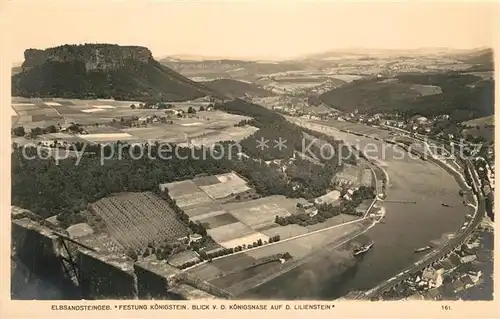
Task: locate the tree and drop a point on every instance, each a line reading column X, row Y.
column 287, row 256
column 50, row 129
column 191, row 110
column 19, row 131
column 132, row 106
column 36, row 131
column 132, row 254
column 202, row 108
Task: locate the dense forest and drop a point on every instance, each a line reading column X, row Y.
column 273, row 126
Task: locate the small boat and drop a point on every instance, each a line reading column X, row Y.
column 445, row 205
column 363, row 249
column 419, row 250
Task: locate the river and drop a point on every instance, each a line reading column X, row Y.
column 406, row 227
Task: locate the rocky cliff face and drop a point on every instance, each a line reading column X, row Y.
column 97, row 57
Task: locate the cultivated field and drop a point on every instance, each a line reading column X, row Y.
column 427, row 89
column 202, row 128
column 136, row 219
column 302, row 246
column 176, row 189
column 229, row 184
column 287, row 231
column 229, row 232
column 107, row 137
column 181, row 258
column 206, row 271
column 217, row 220
column 236, row 273
column 191, row 199
column 260, row 213
column 205, row 189
column 196, row 212
column 487, row 120
column 336, row 220
column 244, row 240
column 241, row 223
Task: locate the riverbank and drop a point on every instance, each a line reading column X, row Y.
column 406, row 227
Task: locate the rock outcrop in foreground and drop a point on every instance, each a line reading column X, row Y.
column 101, row 71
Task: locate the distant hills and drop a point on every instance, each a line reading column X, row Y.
column 226, row 68
column 238, row 89
column 374, row 52
column 102, row 71
column 482, row 60
column 463, row 96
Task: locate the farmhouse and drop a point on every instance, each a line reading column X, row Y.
column 468, row 258
column 194, row 238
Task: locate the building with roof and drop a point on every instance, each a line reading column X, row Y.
column 468, row 258
column 467, row 281
column 458, row 285
column 195, row 238
column 433, row 276
column 446, row 265
column 433, row 294
column 455, row 260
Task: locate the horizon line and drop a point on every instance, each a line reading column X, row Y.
column 196, row 57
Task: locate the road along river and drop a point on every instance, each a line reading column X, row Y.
column 407, row 226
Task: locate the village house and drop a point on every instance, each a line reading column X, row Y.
column 468, row 258
column 433, row 276
column 195, row 238
column 433, row 294
column 467, row 281
column 446, row 265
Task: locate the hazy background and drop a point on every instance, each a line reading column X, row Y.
column 260, row 30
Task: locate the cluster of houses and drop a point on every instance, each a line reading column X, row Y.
column 431, row 283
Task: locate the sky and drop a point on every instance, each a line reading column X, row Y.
column 278, row 29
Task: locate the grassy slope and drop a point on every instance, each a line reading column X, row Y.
column 235, row 88
column 134, row 80
column 487, row 120
column 459, row 98
column 366, row 94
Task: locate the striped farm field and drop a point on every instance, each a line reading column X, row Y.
column 136, row 219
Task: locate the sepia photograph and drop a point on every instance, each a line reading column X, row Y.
column 251, row 151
